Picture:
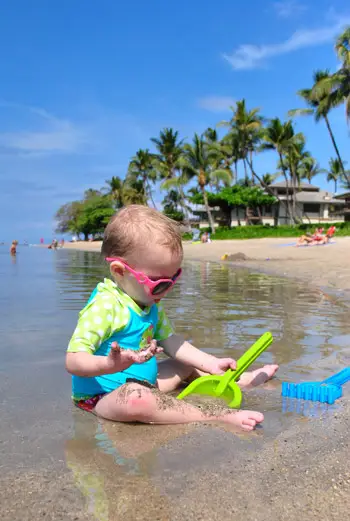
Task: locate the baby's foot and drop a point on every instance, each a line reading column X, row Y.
column 246, row 420
column 257, row 377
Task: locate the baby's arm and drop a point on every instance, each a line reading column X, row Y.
column 179, row 349
column 97, row 322
column 86, row 364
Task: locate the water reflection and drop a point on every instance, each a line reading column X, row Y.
column 223, row 310
column 111, row 465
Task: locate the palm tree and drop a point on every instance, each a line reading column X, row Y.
column 247, row 124
column 197, row 164
column 125, row 192
column 341, row 79
column 169, row 149
column 134, row 192
column 269, row 179
column 281, row 137
column 168, row 161
column 231, row 150
column 319, row 103
column 141, row 169
column 310, row 168
column 115, row 190
column 217, row 152
column 335, row 172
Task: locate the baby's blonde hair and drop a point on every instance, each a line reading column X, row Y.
column 137, row 226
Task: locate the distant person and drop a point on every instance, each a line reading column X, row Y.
column 41, row 241
column 61, row 243
column 111, row 354
column 195, row 234
column 13, row 249
column 205, row 237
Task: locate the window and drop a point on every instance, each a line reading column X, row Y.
column 312, row 208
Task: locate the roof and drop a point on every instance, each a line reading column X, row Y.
column 342, row 196
column 303, row 186
column 316, row 197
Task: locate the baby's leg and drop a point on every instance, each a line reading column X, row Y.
column 137, row 403
column 172, row 373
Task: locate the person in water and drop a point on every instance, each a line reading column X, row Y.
column 112, row 353
column 13, row 249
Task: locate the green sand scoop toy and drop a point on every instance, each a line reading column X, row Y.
column 225, row 386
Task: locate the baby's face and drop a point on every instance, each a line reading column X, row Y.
column 156, row 263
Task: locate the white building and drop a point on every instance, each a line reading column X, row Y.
column 313, row 205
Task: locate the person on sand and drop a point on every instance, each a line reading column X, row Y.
column 205, row 237
column 13, row 249
column 111, row 354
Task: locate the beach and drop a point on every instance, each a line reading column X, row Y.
column 61, row 464
column 324, row 266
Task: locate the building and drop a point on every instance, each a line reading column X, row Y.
column 313, row 205
column 346, row 209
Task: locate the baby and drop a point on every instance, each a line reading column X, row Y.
column 123, row 326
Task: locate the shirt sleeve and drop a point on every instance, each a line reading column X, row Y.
column 100, row 318
column 164, row 327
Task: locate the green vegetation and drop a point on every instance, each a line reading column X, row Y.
column 220, row 171
column 265, row 231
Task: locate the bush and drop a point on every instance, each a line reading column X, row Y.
column 265, row 231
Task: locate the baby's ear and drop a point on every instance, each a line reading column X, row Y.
column 117, row 269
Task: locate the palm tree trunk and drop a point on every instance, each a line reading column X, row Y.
column 268, row 189
column 149, row 191
column 207, row 208
column 335, row 186
column 236, row 173
column 251, row 163
column 245, row 170
column 284, row 170
column 336, row 148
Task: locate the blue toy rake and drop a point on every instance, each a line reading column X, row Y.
column 327, row 391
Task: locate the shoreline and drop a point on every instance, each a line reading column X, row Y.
column 325, row 267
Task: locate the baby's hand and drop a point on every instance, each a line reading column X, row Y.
column 119, row 359
column 220, row 365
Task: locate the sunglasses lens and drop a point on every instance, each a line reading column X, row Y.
column 161, row 287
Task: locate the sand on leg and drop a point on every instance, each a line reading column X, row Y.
column 137, row 403
column 172, row 373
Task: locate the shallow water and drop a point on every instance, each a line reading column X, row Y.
column 220, row 309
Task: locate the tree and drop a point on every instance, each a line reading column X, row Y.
column 141, row 169
column 336, row 88
column 115, row 190
column 310, row 168
column 67, row 216
column 335, row 172
column 197, row 164
column 94, row 215
column 320, row 104
column 246, row 125
column 269, row 179
column 127, row 191
column 168, row 161
column 88, row 216
column 281, row 137
column 236, row 197
column 171, row 204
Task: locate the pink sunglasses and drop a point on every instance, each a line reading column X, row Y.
column 155, row 287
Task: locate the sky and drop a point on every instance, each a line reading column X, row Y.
column 84, row 84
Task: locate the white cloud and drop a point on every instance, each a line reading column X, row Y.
column 250, row 56
column 289, row 8
column 51, row 134
column 216, row 103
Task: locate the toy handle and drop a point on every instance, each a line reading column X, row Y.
column 244, row 362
